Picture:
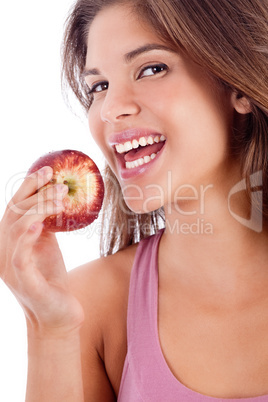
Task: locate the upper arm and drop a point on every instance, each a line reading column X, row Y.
column 87, row 286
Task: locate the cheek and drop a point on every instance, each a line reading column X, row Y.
column 97, row 130
column 157, row 99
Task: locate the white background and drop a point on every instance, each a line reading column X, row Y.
column 33, row 121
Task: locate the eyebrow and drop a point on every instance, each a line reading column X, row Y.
column 132, row 55
column 146, row 48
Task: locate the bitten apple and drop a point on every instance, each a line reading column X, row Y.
column 86, row 189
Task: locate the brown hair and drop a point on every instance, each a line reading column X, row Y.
column 230, row 40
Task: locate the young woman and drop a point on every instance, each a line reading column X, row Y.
column 176, row 93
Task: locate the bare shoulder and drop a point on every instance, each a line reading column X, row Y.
column 104, row 279
column 102, row 288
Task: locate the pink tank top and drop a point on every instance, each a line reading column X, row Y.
column 146, row 375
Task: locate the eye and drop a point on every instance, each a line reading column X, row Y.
column 152, row 70
column 98, row 87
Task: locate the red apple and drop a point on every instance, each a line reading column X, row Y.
column 86, row 189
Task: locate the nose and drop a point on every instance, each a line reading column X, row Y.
column 119, row 103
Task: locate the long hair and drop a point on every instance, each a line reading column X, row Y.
column 230, row 40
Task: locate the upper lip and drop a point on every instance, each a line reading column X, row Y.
column 130, row 135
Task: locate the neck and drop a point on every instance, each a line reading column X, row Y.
column 209, row 245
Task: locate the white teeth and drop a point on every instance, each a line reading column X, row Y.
column 147, row 159
column 143, row 141
column 150, row 140
column 135, row 163
column 135, row 144
column 127, row 146
column 140, row 162
column 120, row 148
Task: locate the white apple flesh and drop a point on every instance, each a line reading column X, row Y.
column 84, row 199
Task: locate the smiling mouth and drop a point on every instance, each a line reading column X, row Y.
column 140, row 151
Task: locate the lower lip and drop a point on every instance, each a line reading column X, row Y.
column 126, row 174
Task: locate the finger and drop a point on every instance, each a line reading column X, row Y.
column 53, row 192
column 38, row 213
column 23, row 251
column 32, row 183
column 54, row 267
column 29, row 278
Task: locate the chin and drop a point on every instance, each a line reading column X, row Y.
column 140, row 204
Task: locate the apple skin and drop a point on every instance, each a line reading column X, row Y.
column 86, row 189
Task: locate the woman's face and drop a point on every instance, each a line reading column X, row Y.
column 162, row 124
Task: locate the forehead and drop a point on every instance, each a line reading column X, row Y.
column 117, row 29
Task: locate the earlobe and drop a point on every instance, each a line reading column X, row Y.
column 240, row 103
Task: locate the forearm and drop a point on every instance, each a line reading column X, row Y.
column 54, row 370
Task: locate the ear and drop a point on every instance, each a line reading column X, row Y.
column 240, row 103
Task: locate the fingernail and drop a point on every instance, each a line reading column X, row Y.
column 46, row 171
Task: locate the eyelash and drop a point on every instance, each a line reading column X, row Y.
column 92, row 90
column 162, row 67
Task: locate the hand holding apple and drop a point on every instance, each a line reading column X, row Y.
column 86, row 189
column 31, row 263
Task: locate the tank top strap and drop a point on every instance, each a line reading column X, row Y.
column 145, row 359
column 143, row 296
